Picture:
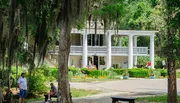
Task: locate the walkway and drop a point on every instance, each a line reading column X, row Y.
column 133, row 88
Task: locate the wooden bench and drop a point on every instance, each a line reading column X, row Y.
column 118, row 98
column 46, row 97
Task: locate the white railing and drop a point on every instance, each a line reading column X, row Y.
column 97, row 49
column 140, row 50
column 76, row 49
column 119, row 50
column 102, row 50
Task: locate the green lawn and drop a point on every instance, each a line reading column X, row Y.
column 158, row 99
column 82, row 92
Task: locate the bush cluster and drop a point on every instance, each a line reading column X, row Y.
column 137, row 73
column 44, row 74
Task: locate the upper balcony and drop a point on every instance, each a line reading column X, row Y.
column 102, row 51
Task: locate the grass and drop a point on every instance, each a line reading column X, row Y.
column 75, row 93
column 89, row 79
column 158, row 99
column 34, row 99
column 93, row 79
column 82, row 92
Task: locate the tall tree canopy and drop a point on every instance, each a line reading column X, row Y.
column 27, row 27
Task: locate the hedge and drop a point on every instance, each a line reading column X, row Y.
column 118, row 71
column 139, row 73
column 135, row 72
column 97, row 73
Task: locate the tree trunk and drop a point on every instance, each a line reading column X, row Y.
column 16, row 70
column 64, row 49
column 10, row 38
column 172, row 89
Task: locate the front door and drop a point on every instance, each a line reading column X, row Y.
column 96, row 61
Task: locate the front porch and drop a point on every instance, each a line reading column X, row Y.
column 100, row 61
column 85, row 43
column 102, row 50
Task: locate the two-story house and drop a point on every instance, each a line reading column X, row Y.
column 90, row 49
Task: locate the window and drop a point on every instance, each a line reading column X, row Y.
column 102, row 61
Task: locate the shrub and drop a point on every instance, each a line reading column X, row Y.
column 54, row 73
column 118, row 71
column 79, row 73
column 85, row 71
column 46, row 70
column 157, row 73
column 37, row 82
column 74, row 70
column 178, row 74
column 158, row 62
column 126, row 72
column 139, row 73
column 112, row 75
column 163, row 72
column 97, row 73
column 142, row 60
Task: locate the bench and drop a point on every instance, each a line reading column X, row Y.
column 115, row 99
column 46, row 97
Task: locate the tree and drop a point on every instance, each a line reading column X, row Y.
column 173, row 41
column 69, row 12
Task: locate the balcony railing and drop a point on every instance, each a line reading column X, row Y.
column 102, row 50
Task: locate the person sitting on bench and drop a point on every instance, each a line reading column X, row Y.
column 53, row 91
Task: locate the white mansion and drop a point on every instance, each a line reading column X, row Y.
column 90, row 49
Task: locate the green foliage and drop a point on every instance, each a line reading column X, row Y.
column 112, row 75
column 157, row 73
column 97, row 73
column 163, row 72
column 158, row 62
column 124, row 41
column 50, row 73
column 178, row 75
column 159, row 99
column 142, row 60
column 3, row 82
column 70, row 75
column 143, row 41
column 37, row 82
column 85, row 71
column 151, row 72
column 45, row 69
column 118, row 71
column 74, row 70
column 78, row 72
column 54, row 73
column 139, row 73
column 126, row 72
column 142, row 72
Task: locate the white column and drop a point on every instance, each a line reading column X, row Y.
column 152, row 50
column 135, row 45
column 130, row 56
column 108, row 42
column 85, row 51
